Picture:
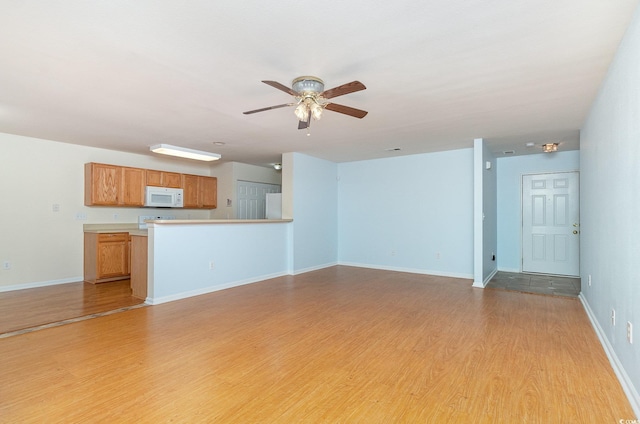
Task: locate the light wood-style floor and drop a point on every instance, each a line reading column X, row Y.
column 338, row 345
column 27, row 308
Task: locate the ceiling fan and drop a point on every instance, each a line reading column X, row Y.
column 311, row 99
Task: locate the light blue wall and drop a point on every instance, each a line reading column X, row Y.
column 400, row 213
column 315, row 213
column 509, row 174
column 179, row 257
column 610, row 209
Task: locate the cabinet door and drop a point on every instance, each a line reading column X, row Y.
column 208, row 192
column 190, row 186
column 102, row 184
column 113, row 255
column 164, row 179
column 171, row 179
column 154, row 178
column 133, row 183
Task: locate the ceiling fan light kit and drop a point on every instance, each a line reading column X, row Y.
column 311, row 99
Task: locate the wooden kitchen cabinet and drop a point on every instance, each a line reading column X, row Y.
column 200, row 192
column 102, row 184
column 190, row 187
column 112, row 185
column 163, row 179
column 208, row 192
column 133, row 184
column 106, row 257
column 139, row 260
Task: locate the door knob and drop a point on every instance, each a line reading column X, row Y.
column 575, row 231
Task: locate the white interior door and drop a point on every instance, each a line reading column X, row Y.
column 251, row 199
column 551, row 223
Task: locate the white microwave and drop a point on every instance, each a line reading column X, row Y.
column 163, row 197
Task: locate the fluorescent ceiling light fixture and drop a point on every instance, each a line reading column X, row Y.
column 550, row 147
column 183, row 152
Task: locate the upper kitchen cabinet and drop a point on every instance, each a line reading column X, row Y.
column 111, row 185
column 102, row 184
column 199, row 191
column 164, row 179
column 133, row 184
column 208, row 192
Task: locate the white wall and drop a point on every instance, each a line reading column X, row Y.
column 315, row 211
column 610, row 210
column 408, row 213
column 46, row 247
column 509, row 189
column 226, row 190
column 229, row 173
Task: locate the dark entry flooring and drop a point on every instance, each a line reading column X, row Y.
column 536, row 283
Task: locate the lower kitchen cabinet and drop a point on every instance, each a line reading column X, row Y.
column 139, row 266
column 106, row 257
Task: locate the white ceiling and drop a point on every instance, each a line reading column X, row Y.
column 125, row 75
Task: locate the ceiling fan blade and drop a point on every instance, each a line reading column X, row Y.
column 343, row 89
column 356, row 113
column 282, row 87
column 267, row 108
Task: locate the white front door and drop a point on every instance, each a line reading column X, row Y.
column 551, row 223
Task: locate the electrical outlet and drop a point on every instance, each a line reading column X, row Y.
column 6, row 265
column 55, row 207
column 116, row 216
column 437, row 256
column 629, row 332
column 212, row 265
column 613, row 317
column 393, row 253
column 81, row 216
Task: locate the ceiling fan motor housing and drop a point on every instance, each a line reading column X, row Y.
column 304, row 85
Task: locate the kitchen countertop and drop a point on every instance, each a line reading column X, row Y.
column 132, row 229
column 217, row 221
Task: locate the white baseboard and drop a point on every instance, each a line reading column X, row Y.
column 409, row 270
column 314, row 268
column 623, row 377
column 40, row 284
column 483, row 284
